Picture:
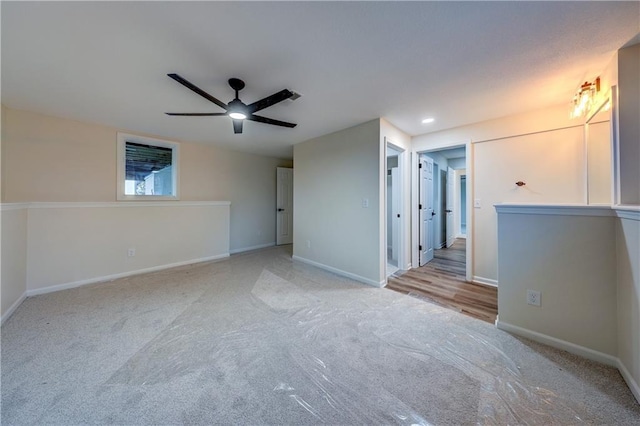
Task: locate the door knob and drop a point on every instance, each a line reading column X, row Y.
column 433, row 213
column 448, row 211
column 280, row 210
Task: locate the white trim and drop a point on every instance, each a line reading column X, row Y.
column 13, row 307
column 627, row 212
column 404, row 223
column 259, row 246
column 554, row 209
column 13, row 206
column 341, row 272
column 626, row 375
column 100, row 204
column 105, row 278
column 577, row 350
column 560, row 344
column 485, row 281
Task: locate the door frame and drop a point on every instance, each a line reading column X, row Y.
column 415, row 214
column 280, row 209
column 403, row 214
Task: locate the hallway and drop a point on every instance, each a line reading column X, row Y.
column 443, row 282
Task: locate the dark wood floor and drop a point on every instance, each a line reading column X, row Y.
column 443, row 282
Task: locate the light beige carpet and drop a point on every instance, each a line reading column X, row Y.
column 259, row 339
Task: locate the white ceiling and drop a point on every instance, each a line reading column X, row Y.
column 352, row 62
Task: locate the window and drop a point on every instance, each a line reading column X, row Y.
column 147, row 168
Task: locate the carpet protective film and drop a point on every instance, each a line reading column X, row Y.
column 261, row 339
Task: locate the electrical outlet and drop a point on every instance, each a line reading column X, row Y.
column 365, row 203
column 533, row 298
column 308, row 244
column 131, row 252
column 477, row 203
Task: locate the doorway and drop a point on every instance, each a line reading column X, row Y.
column 440, row 204
column 284, row 206
column 395, row 218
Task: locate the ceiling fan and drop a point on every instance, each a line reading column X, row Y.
column 237, row 110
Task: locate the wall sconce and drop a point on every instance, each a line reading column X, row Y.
column 584, row 98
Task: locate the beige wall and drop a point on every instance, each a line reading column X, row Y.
column 571, row 260
column 331, row 228
column 52, row 159
column 13, row 264
column 629, row 124
column 628, row 267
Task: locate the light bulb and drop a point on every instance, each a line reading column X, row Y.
column 237, row 115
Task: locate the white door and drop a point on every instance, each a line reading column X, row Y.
column 426, row 209
column 395, row 214
column 451, row 179
column 284, row 204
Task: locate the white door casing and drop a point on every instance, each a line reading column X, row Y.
column 425, row 171
column 284, row 205
column 451, row 179
column 395, row 214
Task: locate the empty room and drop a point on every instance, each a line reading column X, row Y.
column 320, row 213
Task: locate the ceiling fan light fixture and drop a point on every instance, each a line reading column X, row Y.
column 237, row 115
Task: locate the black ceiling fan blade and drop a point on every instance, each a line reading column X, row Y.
column 198, row 90
column 266, row 120
column 197, row 114
column 237, row 126
column 270, row 100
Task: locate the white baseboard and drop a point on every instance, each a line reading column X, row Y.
column 94, row 280
column 626, row 375
column 13, row 307
column 260, row 246
column 341, row 272
column 560, row 344
column 485, row 281
column 577, row 350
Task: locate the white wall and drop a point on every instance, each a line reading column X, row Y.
column 599, row 163
column 628, row 316
column 74, row 243
column 542, row 148
column 571, row 260
column 457, row 163
column 13, row 263
column 331, row 228
column 458, row 205
column 550, row 163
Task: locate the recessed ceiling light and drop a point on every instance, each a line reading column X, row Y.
column 428, row 120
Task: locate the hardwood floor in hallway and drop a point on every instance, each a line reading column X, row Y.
column 443, row 282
